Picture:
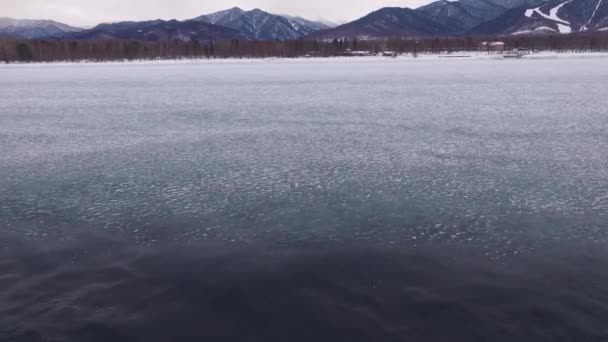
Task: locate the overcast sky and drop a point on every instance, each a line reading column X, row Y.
column 91, row 12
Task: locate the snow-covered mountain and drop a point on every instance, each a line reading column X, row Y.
column 28, row 28
column 455, row 14
column 221, row 17
column 463, row 15
column 388, row 22
column 158, row 30
column 555, row 17
column 258, row 24
column 315, row 25
column 329, row 23
column 492, row 17
column 510, row 4
column 439, row 18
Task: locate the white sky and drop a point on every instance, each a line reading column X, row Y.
column 91, row 12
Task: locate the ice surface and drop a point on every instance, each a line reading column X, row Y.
column 499, row 153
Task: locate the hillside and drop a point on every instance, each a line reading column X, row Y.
column 28, row 28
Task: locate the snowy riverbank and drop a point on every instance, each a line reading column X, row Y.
column 476, row 55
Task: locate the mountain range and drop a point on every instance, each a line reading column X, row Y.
column 477, row 17
column 261, row 25
column 463, row 15
column 440, row 18
column 34, row 28
column 551, row 18
column 158, row 30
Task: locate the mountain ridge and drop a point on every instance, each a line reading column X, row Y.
column 387, row 22
column 157, row 30
column 441, row 18
column 262, row 25
column 552, row 17
column 33, row 28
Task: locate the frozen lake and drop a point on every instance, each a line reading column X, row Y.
column 504, row 154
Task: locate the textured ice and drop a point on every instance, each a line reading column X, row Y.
column 503, row 154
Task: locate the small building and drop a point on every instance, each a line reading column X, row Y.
column 359, row 53
column 388, row 53
column 496, row 47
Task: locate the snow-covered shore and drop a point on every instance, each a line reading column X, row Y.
column 477, row 55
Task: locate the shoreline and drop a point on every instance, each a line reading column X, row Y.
column 473, row 55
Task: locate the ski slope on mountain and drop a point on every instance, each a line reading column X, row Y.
column 562, row 25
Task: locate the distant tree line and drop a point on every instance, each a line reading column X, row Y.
column 21, row 50
column 583, row 42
